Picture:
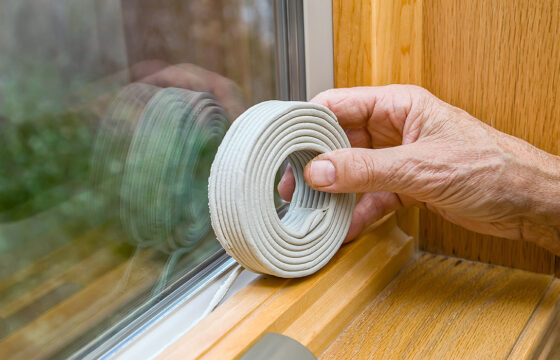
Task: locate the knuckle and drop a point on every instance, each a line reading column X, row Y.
column 327, row 93
column 419, row 92
column 358, row 170
column 324, row 95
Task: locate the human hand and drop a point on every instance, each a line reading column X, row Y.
column 410, row 148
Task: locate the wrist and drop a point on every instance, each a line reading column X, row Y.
column 542, row 223
column 534, row 179
column 543, row 174
column 532, row 176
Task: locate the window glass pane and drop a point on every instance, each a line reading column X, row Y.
column 111, row 112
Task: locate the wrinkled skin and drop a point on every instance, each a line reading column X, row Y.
column 411, row 149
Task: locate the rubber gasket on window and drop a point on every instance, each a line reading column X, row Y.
column 241, row 190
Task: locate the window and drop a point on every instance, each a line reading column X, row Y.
column 110, row 114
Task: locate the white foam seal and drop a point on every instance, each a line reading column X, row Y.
column 241, row 190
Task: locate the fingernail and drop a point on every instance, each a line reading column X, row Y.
column 322, row 173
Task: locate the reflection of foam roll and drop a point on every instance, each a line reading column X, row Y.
column 241, row 190
column 164, row 199
column 113, row 140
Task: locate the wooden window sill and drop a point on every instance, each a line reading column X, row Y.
column 376, row 297
column 312, row 310
column 442, row 307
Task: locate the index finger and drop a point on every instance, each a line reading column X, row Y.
column 382, row 110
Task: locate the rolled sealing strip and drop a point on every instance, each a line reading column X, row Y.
column 241, row 189
column 164, row 199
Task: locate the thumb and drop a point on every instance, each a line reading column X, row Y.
column 359, row 170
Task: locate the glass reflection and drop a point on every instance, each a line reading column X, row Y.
column 111, row 113
column 151, row 161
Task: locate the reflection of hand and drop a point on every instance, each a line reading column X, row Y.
column 192, row 77
column 159, row 73
column 410, row 148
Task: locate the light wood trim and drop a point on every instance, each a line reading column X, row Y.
column 313, row 310
column 442, row 307
column 537, row 330
column 352, row 38
column 377, row 42
column 549, row 348
column 500, row 61
column 397, row 42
